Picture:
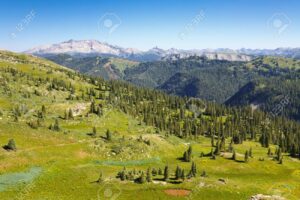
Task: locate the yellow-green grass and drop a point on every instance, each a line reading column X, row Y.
column 123, row 64
column 69, row 167
column 275, row 62
column 71, row 159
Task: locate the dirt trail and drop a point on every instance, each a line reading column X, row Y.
column 177, row 192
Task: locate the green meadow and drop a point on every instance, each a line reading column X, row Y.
column 66, row 164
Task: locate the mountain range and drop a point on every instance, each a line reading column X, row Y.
column 86, row 48
column 222, row 75
column 262, row 82
column 72, row 127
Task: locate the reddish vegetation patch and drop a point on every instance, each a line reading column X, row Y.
column 177, row 192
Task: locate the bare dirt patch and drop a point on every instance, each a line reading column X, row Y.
column 266, row 197
column 177, row 192
column 82, row 154
column 79, row 108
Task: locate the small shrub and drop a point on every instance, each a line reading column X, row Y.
column 261, row 159
column 203, row 174
column 11, row 145
column 108, row 135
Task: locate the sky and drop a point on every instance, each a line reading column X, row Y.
column 144, row 24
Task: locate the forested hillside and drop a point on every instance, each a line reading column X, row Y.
column 269, row 94
column 212, row 80
column 105, row 67
column 167, row 113
column 57, row 123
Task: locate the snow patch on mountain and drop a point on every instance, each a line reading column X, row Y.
column 94, row 47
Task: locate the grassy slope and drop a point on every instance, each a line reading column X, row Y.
column 71, row 162
column 122, row 64
column 108, row 68
column 273, row 62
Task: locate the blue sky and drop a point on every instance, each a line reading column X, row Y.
column 185, row 24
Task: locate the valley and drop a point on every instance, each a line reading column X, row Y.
column 219, row 81
column 73, row 134
column 150, row 100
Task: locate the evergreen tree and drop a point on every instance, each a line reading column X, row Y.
column 43, row 109
column 217, row 149
column 108, row 135
column 233, row 155
column 123, row 175
column 250, row 152
column 279, row 154
column 182, row 175
column 293, row 151
column 222, row 144
column 212, row 152
column 100, row 179
column 187, row 155
column 71, row 116
column 40, row 115
column 149, row 176
column 92, row 107
column 212, row 140
column 230, row 148
column 56, row 126
column 178, row 173
column 99, row 111
column 66, row 115
column 269, row 152
column 203, row 174
column 246, row 156
column 11, row 145
column 130, row 176
column 94, row 133
column 190, row 151
column 166, row 173
column 193, row 171
column 142, row 178
column 160, row 171
column 154, row 172
column 280, row 160
column 16, row 118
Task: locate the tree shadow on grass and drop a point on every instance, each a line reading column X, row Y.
column 238, row 161
column 158, row 179
column 171, row 180
column 175, row 182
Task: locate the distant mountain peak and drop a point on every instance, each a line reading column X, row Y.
column 95, row 47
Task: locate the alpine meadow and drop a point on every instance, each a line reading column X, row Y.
column 150, row 100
